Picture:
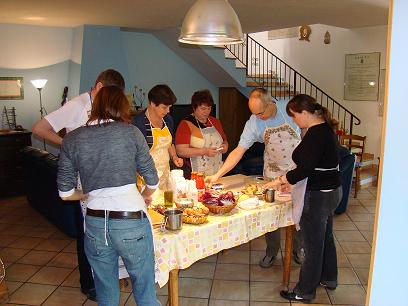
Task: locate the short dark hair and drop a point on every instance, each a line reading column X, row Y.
column 111, row 77
column 202, row 97
column 110, row 103
column 161, row 94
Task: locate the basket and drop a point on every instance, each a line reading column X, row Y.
column 215, row 209
column 195, row 219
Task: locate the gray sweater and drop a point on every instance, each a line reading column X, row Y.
column 107, row 155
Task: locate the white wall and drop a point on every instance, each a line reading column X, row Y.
column 324, row 65
column 27, row 47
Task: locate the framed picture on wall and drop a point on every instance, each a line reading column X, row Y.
column 361, row 77
column 11, row 88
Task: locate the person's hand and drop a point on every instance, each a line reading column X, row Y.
column 211, row 152
column 178, row 161
column 148, row 200
column 285, row 187
column 274, row 184
column 82, row 196
column 224, row 148
column 211, row 179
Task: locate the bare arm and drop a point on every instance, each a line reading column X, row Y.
column 184, row 150
column 44, row 130
column 173, row 155
column 232, row 160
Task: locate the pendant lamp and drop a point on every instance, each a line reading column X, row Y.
column 211, row 22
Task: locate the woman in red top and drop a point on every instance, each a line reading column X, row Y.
column 200, row 138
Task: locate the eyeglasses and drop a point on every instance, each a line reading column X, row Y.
column 261, row 113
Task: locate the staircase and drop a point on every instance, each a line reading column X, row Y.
column 264, row 69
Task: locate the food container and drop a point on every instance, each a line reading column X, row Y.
column 269, row 195
column 173, row 219
column 183, row 203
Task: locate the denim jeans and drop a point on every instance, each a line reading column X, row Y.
column 132, row 240
column 316, row 223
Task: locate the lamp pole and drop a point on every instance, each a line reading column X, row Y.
column 39, row 84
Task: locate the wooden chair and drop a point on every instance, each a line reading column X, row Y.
column 356, row 144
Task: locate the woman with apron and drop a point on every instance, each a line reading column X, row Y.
column 316, row 194
column 200, row 138
column 157, row 127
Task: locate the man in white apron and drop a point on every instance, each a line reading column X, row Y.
column 268, row 124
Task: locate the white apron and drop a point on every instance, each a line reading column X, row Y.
column 279, row 142
column 298, row 197
column 206, row 164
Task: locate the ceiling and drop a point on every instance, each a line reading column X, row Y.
column 255, row 15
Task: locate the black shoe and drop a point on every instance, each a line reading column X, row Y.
column 90, row 294
column 291, row 296
column 327, row 286
column 267, row 261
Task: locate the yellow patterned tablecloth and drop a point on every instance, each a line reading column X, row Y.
column 180, row 249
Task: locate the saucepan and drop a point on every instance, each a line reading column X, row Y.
column 173, row 219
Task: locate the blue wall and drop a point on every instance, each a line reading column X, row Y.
column 143, row 61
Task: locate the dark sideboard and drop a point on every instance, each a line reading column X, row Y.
column 11, row 168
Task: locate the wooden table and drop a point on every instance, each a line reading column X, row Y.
column 235, row 182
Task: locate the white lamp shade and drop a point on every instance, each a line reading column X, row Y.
column 39, row 84
column 211, row 22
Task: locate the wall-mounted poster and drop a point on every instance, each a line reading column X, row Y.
column 11, row 88
column 361, row 77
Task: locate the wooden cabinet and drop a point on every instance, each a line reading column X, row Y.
column 11, row 171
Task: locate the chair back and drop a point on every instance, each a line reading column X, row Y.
column 355, row 143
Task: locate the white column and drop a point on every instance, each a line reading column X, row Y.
column 389, row 271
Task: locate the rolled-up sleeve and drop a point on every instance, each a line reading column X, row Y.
column 67, row 174
column 145, row 163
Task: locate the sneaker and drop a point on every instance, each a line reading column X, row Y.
column 291, row 296
column 327, row 286
column 267, row 261
column 90, row 294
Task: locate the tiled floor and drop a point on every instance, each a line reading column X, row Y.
column 41, row 264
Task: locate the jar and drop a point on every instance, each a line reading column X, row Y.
column 193, row 176
column 200, row 181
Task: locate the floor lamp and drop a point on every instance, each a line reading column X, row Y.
column 39, row 84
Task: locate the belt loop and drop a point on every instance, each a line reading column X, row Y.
column 141, row 215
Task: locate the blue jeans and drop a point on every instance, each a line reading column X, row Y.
column 132, row 240
column 316, row 224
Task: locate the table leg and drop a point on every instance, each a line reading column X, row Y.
column 288, row 254
column 173, row 287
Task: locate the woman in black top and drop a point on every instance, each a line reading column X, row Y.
column 316, row 159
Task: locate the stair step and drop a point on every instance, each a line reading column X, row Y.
column 238, row 64
column 263, row 76
column 283, row 85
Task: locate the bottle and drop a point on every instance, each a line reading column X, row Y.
column 168, row 198
column 192, row 191
column 193, row 175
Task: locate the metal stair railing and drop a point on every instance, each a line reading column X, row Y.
column 269, row 71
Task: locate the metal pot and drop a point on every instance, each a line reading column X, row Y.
column 173, row 219
column 269, row 195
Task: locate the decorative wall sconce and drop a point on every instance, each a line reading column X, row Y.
column 327, row 38
column 304, row 32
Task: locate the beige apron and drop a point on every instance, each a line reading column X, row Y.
column 205, row 164
column 162, row 141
